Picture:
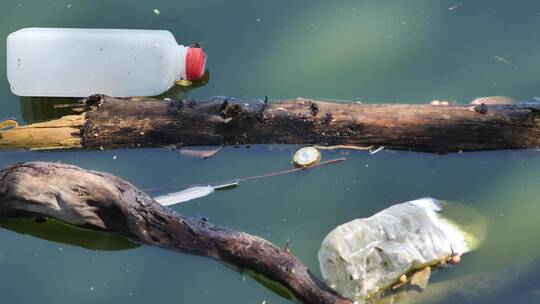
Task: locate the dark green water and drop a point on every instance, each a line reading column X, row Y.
column 379, row 51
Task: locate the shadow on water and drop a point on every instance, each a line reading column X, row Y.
column 40, row 109
column 178, row 92
column 509, row 284
column 473, row 288
column 361, row 192
column 55, row 231
column 274, row 286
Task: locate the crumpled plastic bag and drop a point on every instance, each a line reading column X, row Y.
column 366, row 256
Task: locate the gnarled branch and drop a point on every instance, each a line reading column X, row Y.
column 104, row 202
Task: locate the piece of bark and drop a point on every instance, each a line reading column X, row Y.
column 104, row 202
column 121, row 123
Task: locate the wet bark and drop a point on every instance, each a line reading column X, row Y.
column 104, row 202
column 221, row 122
column 120, row 123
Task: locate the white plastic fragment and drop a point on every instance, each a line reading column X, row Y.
column 184, row 195
column 379, row 149
column 366, row 256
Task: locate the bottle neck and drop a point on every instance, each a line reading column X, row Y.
column 181, row 62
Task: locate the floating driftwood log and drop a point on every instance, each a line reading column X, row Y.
column 106, row 123
column 104, row 202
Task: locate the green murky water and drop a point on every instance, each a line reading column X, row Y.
column 378, row 51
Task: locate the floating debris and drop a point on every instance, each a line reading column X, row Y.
column 184, row 195
column 439, row 103
column 202, row 154
column 505, row 61
column 368, row 256
column 454, row 259
column 8, row 124
column 306, row 157
column 184, row 83
column 421, row 278
column 156, row 11
column 204, row 190
column 451, row 8
column 403, row 279
column 194, row 193
column 379, row 149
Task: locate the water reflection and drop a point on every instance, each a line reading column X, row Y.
column 181, row 92
column 513, row 282
column 40, row 109
column 56, row 231
column 303, row 207
column 53, row 230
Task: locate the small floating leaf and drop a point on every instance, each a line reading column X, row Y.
column 421, row 278
column 202, row 154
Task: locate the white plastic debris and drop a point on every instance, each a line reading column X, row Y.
column 58, row 62
column 369, row 255
column 379, row 149
column 184, row 195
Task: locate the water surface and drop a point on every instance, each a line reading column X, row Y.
column 377, row 51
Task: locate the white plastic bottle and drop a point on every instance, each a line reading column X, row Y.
column 60, row 62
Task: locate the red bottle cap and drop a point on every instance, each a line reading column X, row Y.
column 195, row 63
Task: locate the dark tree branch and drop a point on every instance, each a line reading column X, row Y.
column 118, row 123
column 114, row 122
